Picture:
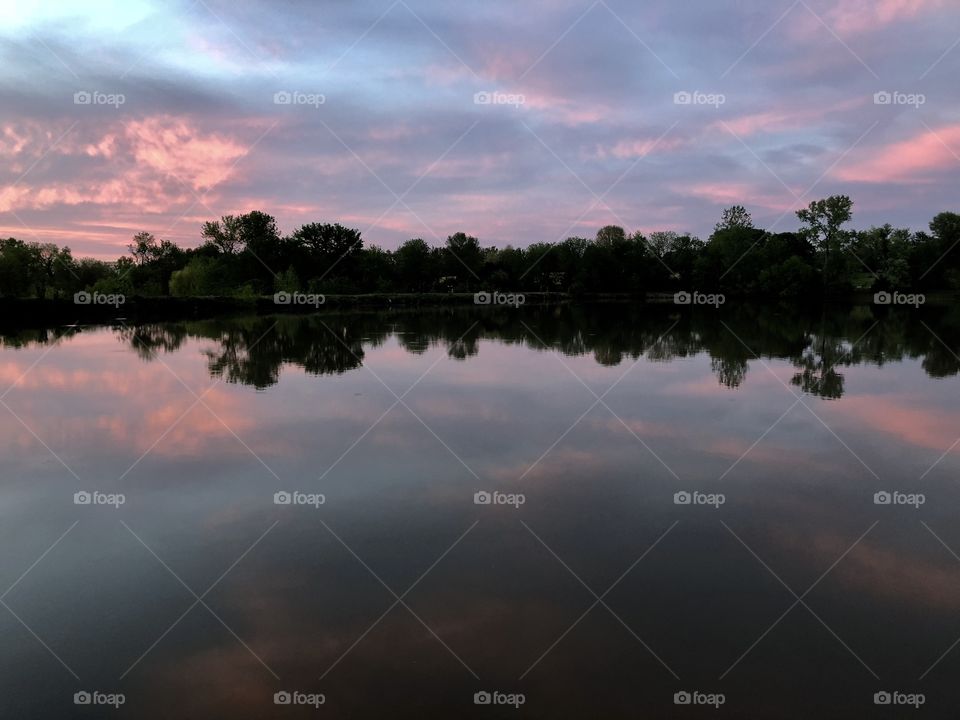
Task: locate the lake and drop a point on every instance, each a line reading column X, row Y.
column 574, row 511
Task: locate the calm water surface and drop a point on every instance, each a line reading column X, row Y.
column 783, row 586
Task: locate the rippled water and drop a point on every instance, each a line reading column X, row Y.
column 586, row 588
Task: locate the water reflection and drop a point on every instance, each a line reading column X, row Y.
column 117, row 409
column 253, row 350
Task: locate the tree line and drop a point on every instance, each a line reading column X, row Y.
column 247, row 255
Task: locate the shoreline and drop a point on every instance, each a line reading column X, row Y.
column 22, row 313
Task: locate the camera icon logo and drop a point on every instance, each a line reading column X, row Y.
column 882, row 298
column 282, row 298
column 682, row 98
column 282, row 498
column 882, row 98
column 882, row 498
column 682, row 498
column 82, row 97
column 682, row 698
column 482, row 498
column 481, row 98
column 282, row 698
column 482, row 298
column 482, row 698
column 82, row 498
column 282, row 98
column 682, row 298
column 882, row 698
column 82, row 298
column 82, row 698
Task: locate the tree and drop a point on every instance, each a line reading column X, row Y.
column 413, row 265
column 610, row 235
column 824, row 219
column 259, row 233
column 946, row 227
column 662, row 242
column 681, row 256
column 143, row 247
column 376, row 269
column 242, row 253
column 52, row 266
column 735, row 216
column 224, row 234
column 464, row 257
column 329, row 253
column 18, row 266
column 198, row 278
column 885, row 251
column 328, row 241
column 944, row 269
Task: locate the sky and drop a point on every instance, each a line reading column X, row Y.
column 515, row 122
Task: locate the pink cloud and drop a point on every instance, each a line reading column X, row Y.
column 784, row 118
column 731, row 193
column 563, row 111
column 910, row 161
column 747, row 125
column 122, row 170
column 13, row 141
column 507, row 63
column 147, row 194
column 173, row 145
column 860, row 16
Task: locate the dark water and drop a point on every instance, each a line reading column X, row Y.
column 599, row 596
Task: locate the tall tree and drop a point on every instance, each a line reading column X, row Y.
column 824, row 219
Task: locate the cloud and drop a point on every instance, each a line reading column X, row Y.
column 855, row 17
column 174, row 146
column 919, row 159
column 399, row 93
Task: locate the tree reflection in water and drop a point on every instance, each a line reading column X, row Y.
column 253, row 350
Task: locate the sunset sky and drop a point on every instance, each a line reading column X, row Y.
column 585, row 127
